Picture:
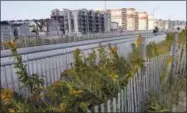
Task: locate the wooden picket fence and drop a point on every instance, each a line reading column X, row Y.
column 133, row 97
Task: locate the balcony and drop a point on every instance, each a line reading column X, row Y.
column 96, row 17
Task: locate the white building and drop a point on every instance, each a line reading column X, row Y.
column 167, row 22
column 6, row 31
column 114, row 26
column 53, row 28
column 23, row 30
column 131, row 22
column 161, row 24
column 82, row 21
column 177, row 23
column 143, row 21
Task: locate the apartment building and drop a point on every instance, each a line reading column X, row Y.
column 11, row 29
column 53, row 28
column 114, row 26
column 119, row 16
column 21, row 29
column 167, row 22
column 81, row 21
column 142, row 21
column 30, row 28
column 136, row 21
column 177, row 23
column 151, row 22
column 6, row 31
column 161, row 24
column 131, row 20
column 44, row 27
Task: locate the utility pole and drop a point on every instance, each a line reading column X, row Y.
column 154, row 9
column 105, row 6
column 105, row 17
column 169, row 22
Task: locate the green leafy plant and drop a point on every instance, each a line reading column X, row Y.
column 101, row 80
column 154, row 104
column 92, row 80
column 182, row 38
column 32, row 82
column 164, row 74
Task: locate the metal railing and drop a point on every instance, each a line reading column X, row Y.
column 23, row 42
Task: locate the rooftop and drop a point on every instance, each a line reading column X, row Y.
column 4, row 23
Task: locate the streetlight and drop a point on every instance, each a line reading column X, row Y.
column 105, row 18
column 154, row 9
column 105, row 5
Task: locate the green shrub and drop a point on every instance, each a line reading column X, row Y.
column 88, row 82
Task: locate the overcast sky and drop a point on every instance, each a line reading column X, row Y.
column 13, row 10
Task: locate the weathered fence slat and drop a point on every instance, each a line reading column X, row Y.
column 108, row 106
column 96, row 109
column 132, row 84
column 119, row 103
column 135, row 93
column 114, row 104
column 128, row 99
column 103, row 108
column 139, row 89
column 130, row 94
column 122, row 100
column 178, row 58
column 125, row 99
column 182, row 58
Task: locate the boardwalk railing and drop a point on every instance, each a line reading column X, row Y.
column 23, row 42
column 49, row 63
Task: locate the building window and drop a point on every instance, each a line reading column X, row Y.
column 6, row 27
column 5, row 34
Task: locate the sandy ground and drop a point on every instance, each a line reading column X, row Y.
column 181, row 106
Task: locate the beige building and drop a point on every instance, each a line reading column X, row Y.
column 151, row 24
column 156, row 22
column 131, row 19
column 167, row 24
column 161, row 24
column 119, row 16
column 136, row 21
column 114, row 26
column 142, row 21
